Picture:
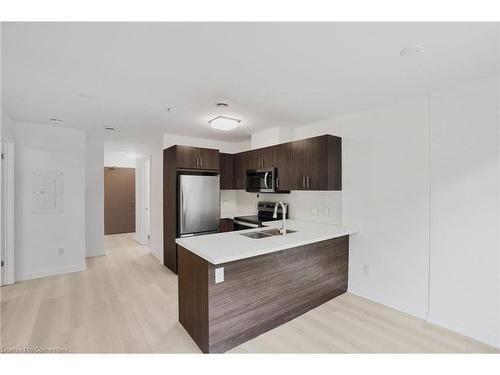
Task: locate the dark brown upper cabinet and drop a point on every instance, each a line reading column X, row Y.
column 283, row 180
column 242, row 162
column 197, row 158
column 316, row 163
column 263, row 157
column 226, row 171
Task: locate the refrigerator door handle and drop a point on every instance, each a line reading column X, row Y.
column 182, row 211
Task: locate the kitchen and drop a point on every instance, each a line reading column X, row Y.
column 302, row 188
column 192, row 213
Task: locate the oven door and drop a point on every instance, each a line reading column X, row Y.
column 261, row 180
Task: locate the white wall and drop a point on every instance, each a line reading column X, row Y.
column 115, row 154
column 464, row 210
column 385, row 177
column 154, row 151
column 420, row 181
column 228, row 147
column 94, row 197
column 316, row 206
column 40, row 236
column 271, row 137
column 141, row 206
column 7, row 127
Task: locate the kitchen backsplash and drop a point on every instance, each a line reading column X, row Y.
column 318, row 206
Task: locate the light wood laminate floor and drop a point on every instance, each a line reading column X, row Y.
column 126, row 301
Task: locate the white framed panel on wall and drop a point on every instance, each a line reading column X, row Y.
column 48, row 192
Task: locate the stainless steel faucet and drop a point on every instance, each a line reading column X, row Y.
column 275, row 216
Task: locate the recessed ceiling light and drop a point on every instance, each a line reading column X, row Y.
column 56, row 121
column 131, row 155
column 110, row 128
column 411, row 50
column 224, row 123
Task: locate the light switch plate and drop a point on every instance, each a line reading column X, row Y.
column 219, row 275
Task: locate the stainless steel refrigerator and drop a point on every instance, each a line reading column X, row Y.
column 198, row 205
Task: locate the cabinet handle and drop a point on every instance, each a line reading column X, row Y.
column 307, row 180
column 303, row 182
column 201, row 161
column 197, row 162
column 277, row 182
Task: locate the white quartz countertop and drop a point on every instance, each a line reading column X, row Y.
column 230, row 246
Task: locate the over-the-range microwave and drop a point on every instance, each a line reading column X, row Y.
column 261, row 180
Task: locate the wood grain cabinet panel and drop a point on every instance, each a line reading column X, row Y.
column 226, row 225
column 177, row 158
column 298, row 164
column 226, row 171
column 258, row 293
column 283, row 161
column 242, row 162
column 189, row 157
column 263, row 157
column 316, row 163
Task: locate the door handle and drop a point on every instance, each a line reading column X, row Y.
column 265, row 180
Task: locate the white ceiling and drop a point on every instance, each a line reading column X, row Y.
column 272, row 74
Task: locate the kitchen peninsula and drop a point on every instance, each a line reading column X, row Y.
column 233, row 288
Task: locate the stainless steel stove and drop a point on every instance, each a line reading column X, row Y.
column 265, row 212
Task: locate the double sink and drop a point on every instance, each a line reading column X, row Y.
column 267, row 233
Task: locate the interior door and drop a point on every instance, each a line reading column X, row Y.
column 119, row 200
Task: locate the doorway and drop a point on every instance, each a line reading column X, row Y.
column 119, row 200
column 7, row 269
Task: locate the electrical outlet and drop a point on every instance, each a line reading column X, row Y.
column 366, row 269
column 60, row 251
column 315, row 211
column 219, row 275
column 326, row 211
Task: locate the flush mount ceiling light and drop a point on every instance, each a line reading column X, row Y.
column 56, row 121
column 131, row 155
column 411, row 51
column 224, row 123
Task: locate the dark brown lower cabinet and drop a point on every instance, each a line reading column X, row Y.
column 226, row 225
column 258, row 293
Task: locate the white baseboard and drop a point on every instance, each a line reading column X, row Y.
column 415, row 311
column 53, row 272
column 157, row 256
column 95, row 253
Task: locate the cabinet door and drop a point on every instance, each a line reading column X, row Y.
column 226, row 170
column 299, row 165
column 187, row 157
column 226, row 225
column 316, row 176
column 283, row 181
column 238, row 167
column 208, row 158
column 264, row 157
